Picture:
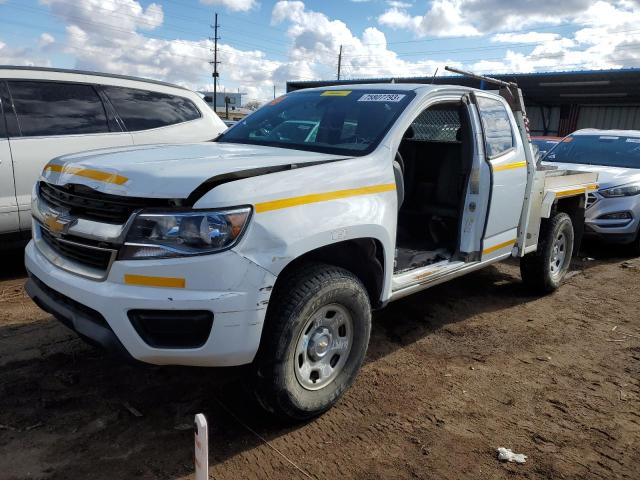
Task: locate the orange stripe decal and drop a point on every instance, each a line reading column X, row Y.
column 162, row 282
column 499, row 246
column 509, row 166
column 88, row 173
column 322, row 197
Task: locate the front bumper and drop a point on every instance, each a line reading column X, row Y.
column 614, row 231
column 233, row 288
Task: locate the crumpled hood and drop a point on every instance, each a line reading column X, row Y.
column 607, row 176
column 167, row 171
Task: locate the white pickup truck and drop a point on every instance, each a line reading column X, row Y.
column 272, row 244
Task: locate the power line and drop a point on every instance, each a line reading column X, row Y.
column 486, row 48
column 468, row 37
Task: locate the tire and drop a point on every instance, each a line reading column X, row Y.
column 635, row 246
column 544, row 269
column 315, row 306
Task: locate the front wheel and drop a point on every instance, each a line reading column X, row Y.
column 314, row 341
column 544, row 269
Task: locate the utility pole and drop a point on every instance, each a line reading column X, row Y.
column 215, row 62
column 339, row 61
column 274, row 91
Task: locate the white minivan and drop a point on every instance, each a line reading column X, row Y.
column 45, row 113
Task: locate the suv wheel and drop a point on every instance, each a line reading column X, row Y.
column 314, row 341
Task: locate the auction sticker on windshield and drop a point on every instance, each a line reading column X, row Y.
column 335, row 93
column 381, row 97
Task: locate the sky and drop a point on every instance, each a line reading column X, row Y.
column 265, row 43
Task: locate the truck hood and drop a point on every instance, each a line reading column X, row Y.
column 607, row 176
column 169, row 171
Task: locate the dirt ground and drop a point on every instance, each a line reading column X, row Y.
column 452, row 373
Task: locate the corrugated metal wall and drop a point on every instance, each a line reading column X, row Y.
column 551, row 119
column 589, row 116
column 614, row 117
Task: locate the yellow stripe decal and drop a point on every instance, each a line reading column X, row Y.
column 335, row 93
column 577, row 191
column 509, row 166
column 145, row 281
column 322, row 197
column 88, row 173
column 499, row 246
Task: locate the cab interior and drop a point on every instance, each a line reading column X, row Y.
column 432, row 172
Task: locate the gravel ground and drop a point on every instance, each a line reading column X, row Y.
column 451, row 374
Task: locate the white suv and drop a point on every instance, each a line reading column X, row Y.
column 45, row 113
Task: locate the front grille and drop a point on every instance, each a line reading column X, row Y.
column 84, row 202
column 85, row 254
column 591, row 199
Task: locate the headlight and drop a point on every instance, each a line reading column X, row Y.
column 162, row 235
column 621, row 191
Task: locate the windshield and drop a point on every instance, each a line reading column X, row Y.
column 543, row 145
column 340, row 122
column 607, row 150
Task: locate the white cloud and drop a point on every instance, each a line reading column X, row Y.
column 609, row 39
column 23, row 56
column 398, row 4
column 444, row 18
column 234, row 5
column 529, row 37
column 607, row 36
column 316, row 40
column 108, row 18
column 46, row 40
column 447, row 18
column 396, row 18
column 111, row 36
column 108, row 36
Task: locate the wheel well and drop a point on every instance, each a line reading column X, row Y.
column 574, row 207
column 364, row 257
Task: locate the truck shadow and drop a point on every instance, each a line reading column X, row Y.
column 12, row 264
column 119, row 420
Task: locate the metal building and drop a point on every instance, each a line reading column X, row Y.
column 557, row 102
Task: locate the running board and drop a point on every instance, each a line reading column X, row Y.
column 410, row 282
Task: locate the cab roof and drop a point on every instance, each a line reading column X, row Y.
column 86, row 72
column 389, row 86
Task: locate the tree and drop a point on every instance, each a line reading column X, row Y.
column 253, row 104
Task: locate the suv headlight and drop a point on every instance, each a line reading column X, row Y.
column 197, row 232
column 621, row 191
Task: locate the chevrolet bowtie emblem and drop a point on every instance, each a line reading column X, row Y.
column 58, row 222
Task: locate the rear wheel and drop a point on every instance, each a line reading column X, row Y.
column 314, row 341
column 544, row 269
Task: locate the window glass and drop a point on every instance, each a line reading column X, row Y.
column 55, row 108
column 143, row 110
column 608, row 150
column 497, row 127
column 340, row 122
column 437, row 124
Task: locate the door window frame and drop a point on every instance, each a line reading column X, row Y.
column 122, row 123
column 14, row 131
column 475, row 96
column 8, row 116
